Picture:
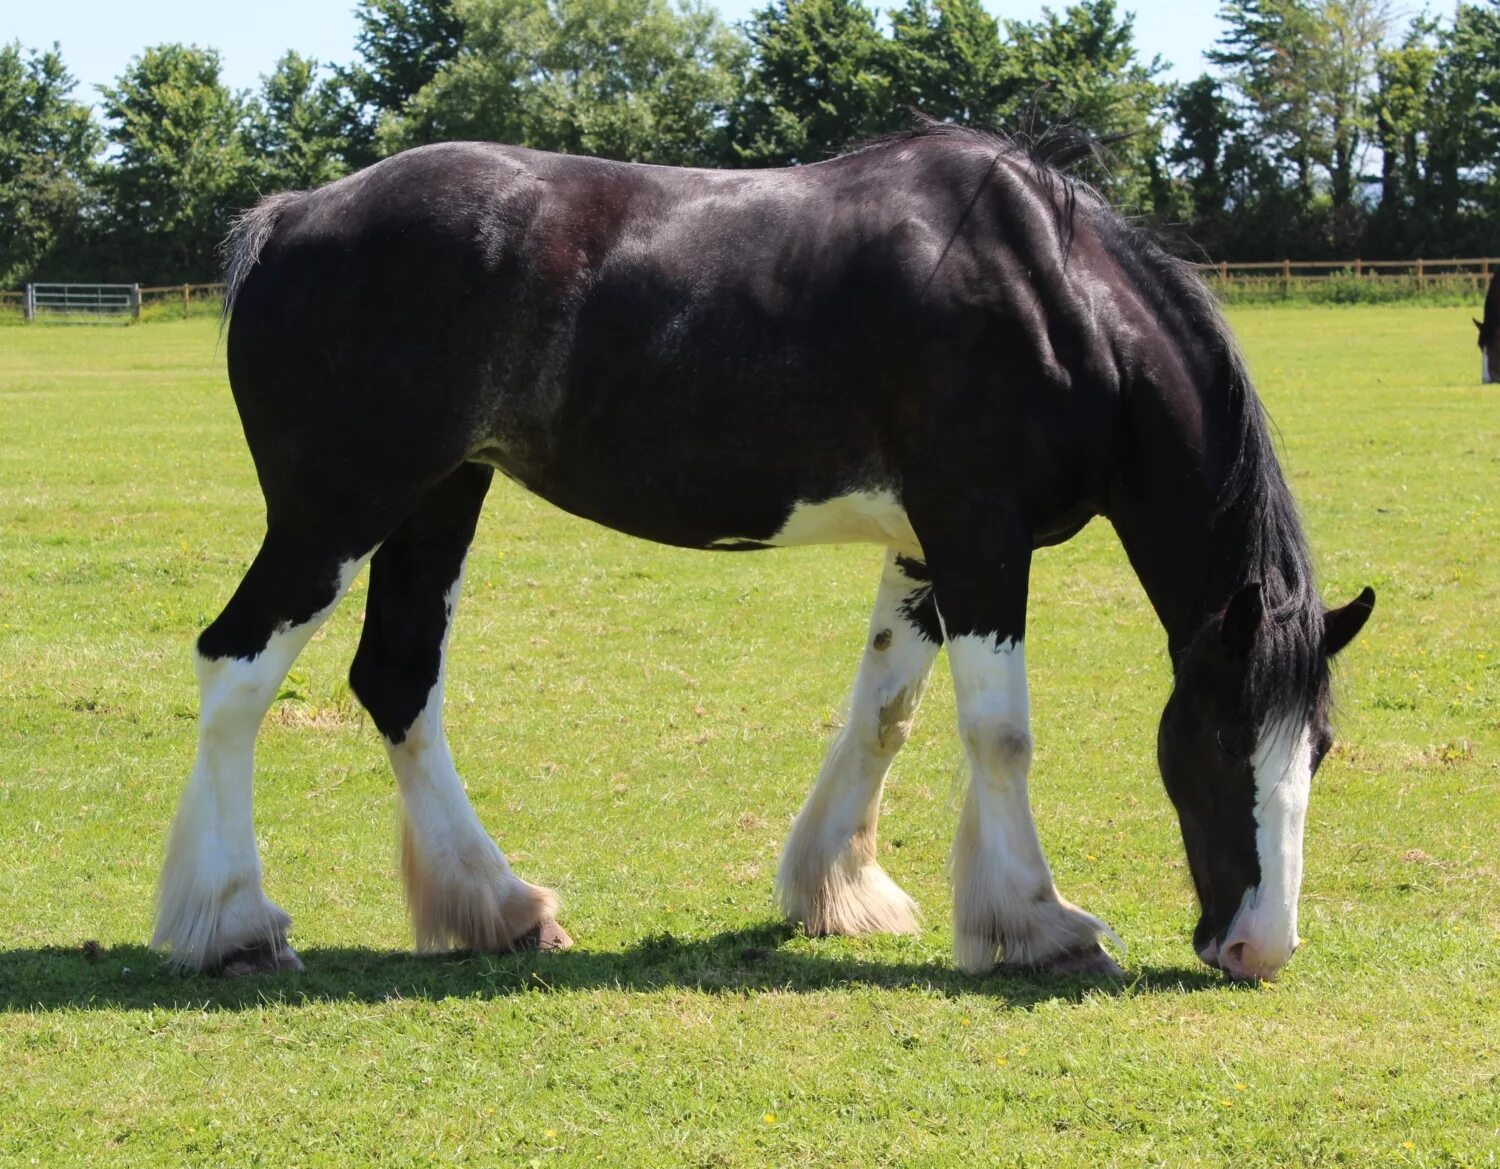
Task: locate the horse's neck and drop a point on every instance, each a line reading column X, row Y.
column 1187, row 555
column 1163, row 547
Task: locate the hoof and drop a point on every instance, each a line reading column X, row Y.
column 1090, row 961
column 266, row 958
column 846, row 901
column 544, row 937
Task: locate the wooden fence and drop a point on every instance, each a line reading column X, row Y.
column 1455, row 274
column 164, row 300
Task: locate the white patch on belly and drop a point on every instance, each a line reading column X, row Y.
column 864, row 517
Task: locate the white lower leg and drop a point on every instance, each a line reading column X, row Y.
column 209, row 902
column 1004, row 899
column 459, row 887
column 829, row 879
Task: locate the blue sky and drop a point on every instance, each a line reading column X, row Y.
column 99, row 37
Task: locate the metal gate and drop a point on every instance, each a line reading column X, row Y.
column 95, row 300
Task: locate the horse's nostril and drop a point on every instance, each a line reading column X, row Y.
column 1236, row 961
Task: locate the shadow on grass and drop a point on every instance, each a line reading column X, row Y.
column 734, row 962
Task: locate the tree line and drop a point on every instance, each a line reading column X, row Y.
column 1326, row 130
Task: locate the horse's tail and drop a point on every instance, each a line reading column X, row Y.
column 247, row 235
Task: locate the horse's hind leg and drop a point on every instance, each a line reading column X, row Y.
column 459, row 888
column 211, row 911
column 829, row 879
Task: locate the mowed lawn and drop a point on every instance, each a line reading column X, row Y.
column 637, row 726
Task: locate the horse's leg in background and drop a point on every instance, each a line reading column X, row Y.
column 211, row 911
column 1004, row 902
column 829, row 879
column 459, row 887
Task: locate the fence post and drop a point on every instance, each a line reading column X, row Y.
column 1286, row 279
column 1223, row 271
column 28, row 309
column 1359, row 267
column 184, row 302
column 135, row 301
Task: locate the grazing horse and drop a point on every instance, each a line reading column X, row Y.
column 1489, row 334
column 937, row 343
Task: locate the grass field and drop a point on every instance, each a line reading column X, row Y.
column 637, row 726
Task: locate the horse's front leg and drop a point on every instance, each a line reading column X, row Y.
column 829, row 879
column 1005, row 906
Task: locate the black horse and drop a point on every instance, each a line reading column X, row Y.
column 1489, row 334
column 937, row 343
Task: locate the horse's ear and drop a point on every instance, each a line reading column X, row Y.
column 1478, row 324
column 1242, row 619
column 1340, row 625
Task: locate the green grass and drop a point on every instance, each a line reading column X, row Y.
column 637, row 726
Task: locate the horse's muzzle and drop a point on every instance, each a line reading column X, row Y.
column 1246, row 958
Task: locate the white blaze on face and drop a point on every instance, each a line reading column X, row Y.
column 1484, row 367
column 1264, row 932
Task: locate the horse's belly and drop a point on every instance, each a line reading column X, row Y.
column 723, row 512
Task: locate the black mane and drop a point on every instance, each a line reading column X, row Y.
column 1256, row 532
column 1057, row 147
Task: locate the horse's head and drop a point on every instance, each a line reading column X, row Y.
column 1489, row 349
column 1489, row 334
column 1238, row 758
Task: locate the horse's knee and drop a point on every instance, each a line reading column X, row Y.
column 395, row 694
column 399, row 662
column 999, row 742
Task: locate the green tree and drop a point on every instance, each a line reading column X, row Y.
column 1463, row 158
column 295, row 130
column 1225, row 186
column 401, row 45
column 1081, row 68
column 1306, row 70
column 1266, row 54
column 629, row 79
column 1405, row 116
column 47, row 143
column 947, row 60
column 179, row 168
column 1208, row 130
column 820, row 79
